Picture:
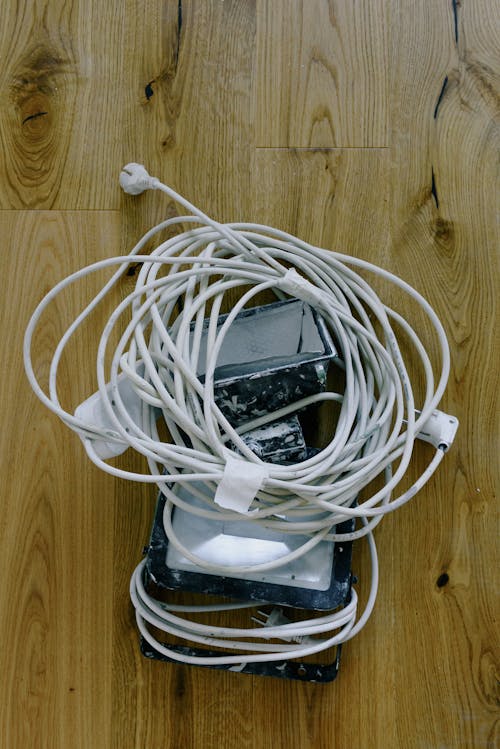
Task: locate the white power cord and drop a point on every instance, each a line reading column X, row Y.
column 154, row 372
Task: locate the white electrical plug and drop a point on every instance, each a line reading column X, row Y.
column 276, row 618
column 135, row 179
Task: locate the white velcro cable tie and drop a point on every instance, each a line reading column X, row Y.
column 239, row 485
column 295, row 285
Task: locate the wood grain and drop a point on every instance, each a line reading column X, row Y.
column 370, row 128
column 444, row 238
column 60, row 85
column 328, row 195
column 322, row 74
column 56, row 533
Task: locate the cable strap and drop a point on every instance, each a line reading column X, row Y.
column 239, row 484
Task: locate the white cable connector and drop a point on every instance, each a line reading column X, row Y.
column 439, row 429
column 135, row 179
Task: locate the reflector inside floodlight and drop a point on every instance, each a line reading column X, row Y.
column 239, row 543
column 328, row 564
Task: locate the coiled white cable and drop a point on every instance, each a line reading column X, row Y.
column 158, row 355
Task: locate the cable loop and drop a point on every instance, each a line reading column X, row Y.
column 155, row 373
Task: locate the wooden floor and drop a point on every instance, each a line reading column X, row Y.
column 365, row 127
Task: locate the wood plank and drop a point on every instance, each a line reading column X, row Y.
column 189, row 117
column 322, row 74
column 337, row 199
column 445, row 144
column 59, row 126
column 189, row 106
column 56, row 531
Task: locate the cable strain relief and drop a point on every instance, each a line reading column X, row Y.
column 296, row 285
